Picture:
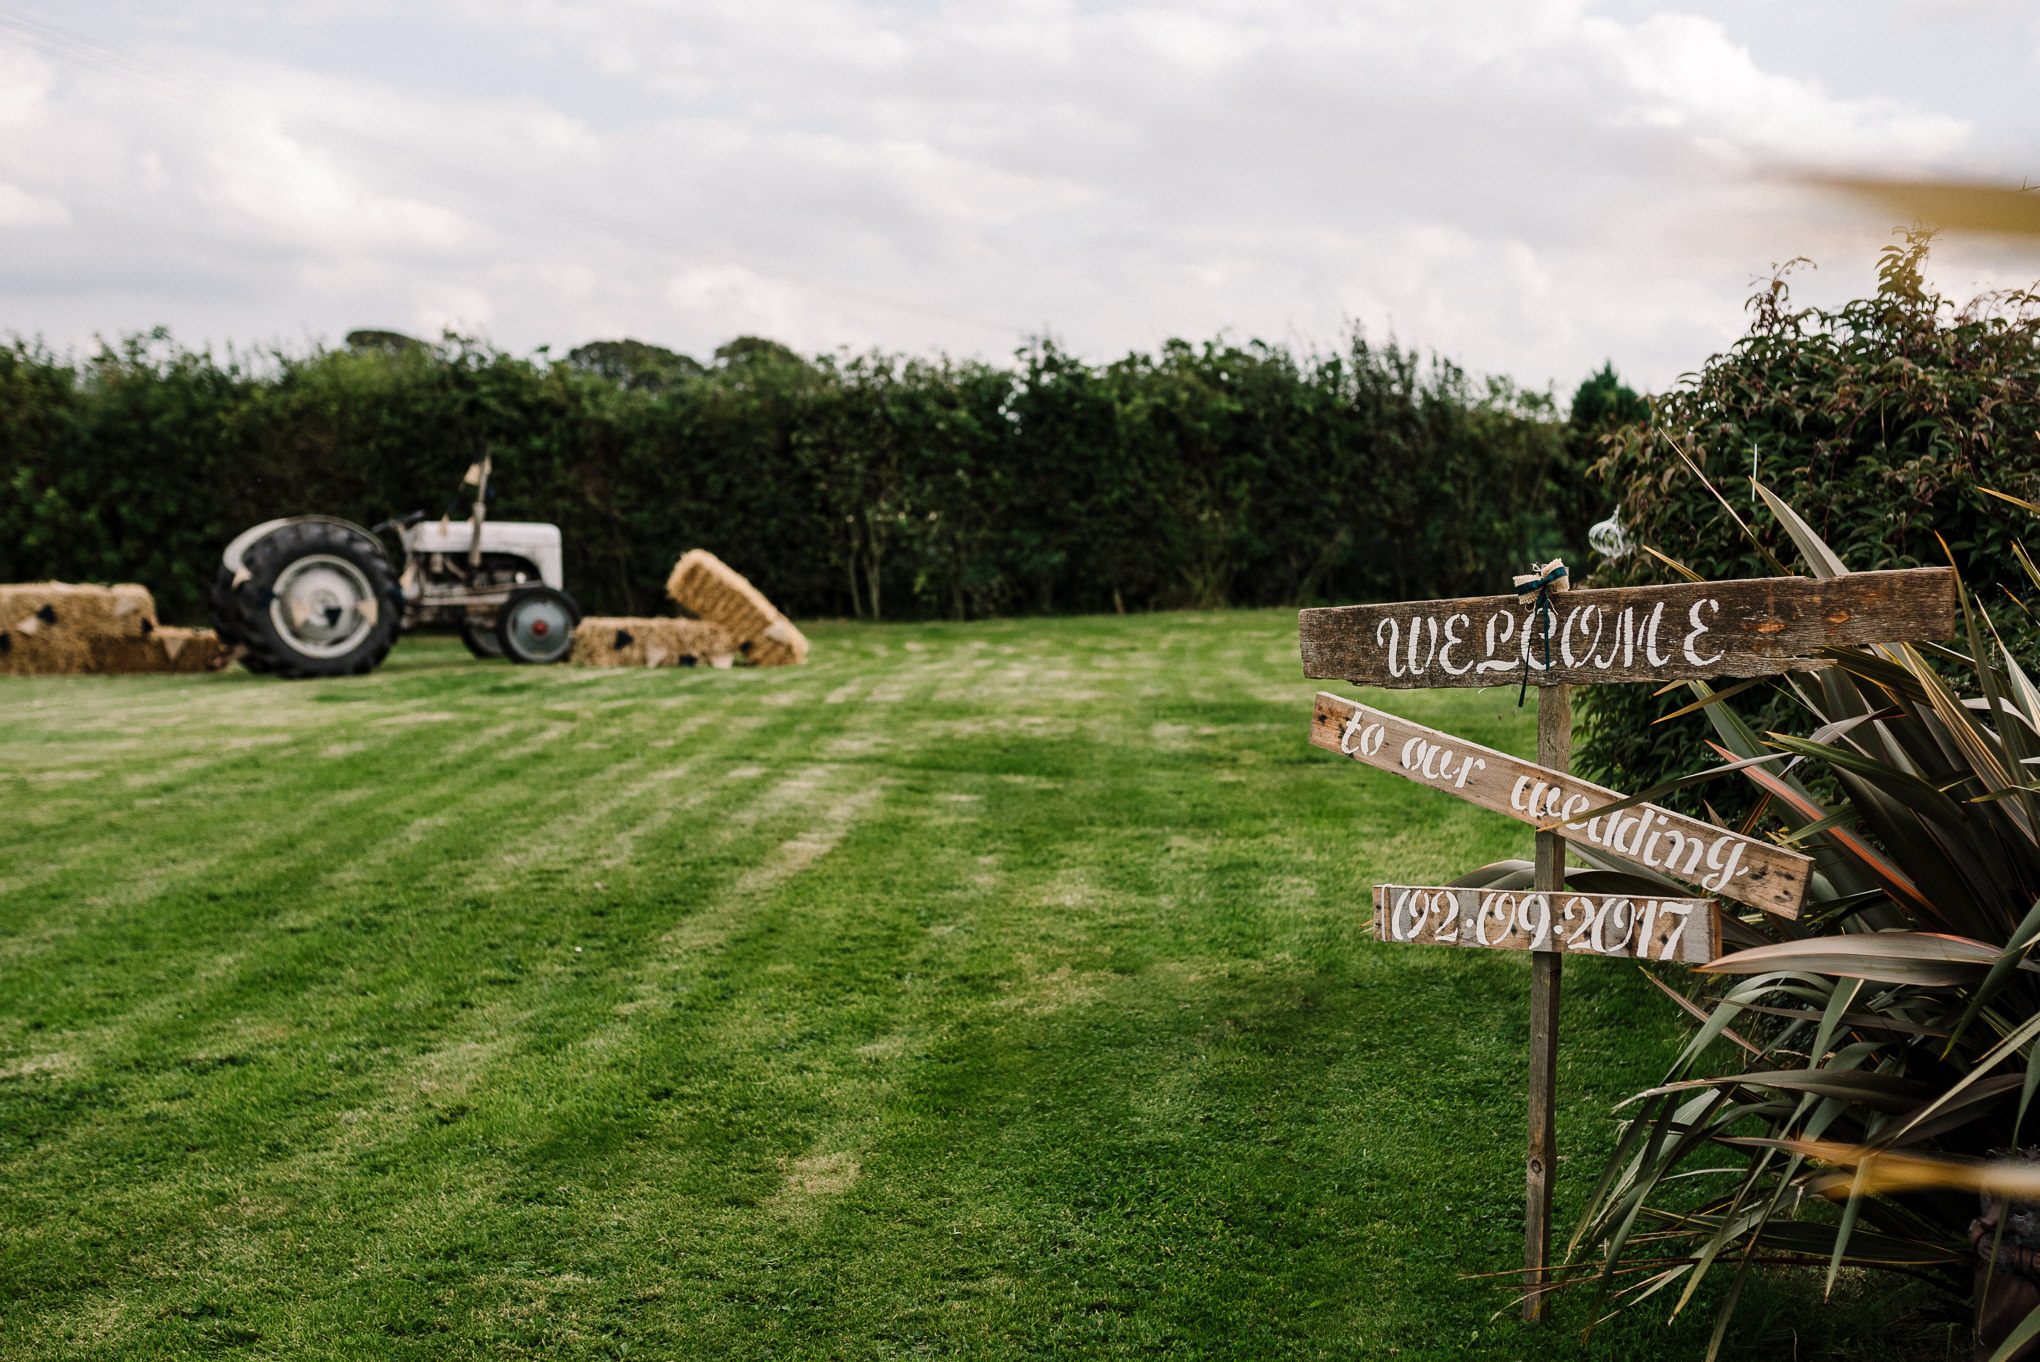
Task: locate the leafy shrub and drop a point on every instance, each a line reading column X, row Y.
column 868, row 485
column 1898, row 1012
column 1884, row 420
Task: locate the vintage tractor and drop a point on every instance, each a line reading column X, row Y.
column 318, row 596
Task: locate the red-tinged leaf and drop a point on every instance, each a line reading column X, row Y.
column 1896, row 880
column 1927, row 958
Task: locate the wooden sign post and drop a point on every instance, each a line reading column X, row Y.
column 1552, row 641
column 1540, row 1159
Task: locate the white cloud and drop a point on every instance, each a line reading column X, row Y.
column 1685, row 73
column 19, row 208
column 1528, row 187
column 462, row 310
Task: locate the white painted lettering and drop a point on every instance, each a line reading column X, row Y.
column 1417, row 623
column 1693, row 617
column 1623, row 644
column 1626, row 916
column 1577, row 907
column 1726, row 867
column 1600, row 618
column 1531, row 654
column 1685, row 915
column 1352, row 726
column 1508, row 623
column 1445, row 653
column 1651, row 845
column 1502, row 906
column 1565, row 635
column 1650, row 652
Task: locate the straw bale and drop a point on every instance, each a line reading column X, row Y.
column 165, row 649
column 124, row 611
column 705, row 585
column 49, row 628
column 46, row 651
column 619, row 641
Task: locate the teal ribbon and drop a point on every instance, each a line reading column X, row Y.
column 1542, row 586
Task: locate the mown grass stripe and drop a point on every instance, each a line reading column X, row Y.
column 997, row 989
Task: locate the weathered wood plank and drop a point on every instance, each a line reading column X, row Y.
column 1547, row 971
column 1719, row 862
column 1629, row 927
column 1756, row 627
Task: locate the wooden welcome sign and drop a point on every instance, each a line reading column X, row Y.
column 1687, row 631
column 1554, row 640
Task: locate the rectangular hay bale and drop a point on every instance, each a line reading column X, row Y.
column 167, row 648
column 707, row 586
column 49, row 628
column 620, row 641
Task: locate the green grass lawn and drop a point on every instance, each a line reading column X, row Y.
column 991, row 990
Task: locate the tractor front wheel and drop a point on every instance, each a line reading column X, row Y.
column 536, row 625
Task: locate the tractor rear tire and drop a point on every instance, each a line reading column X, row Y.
column 318, row 599
column 536, row 625
column 480, row 637
column 226, row 621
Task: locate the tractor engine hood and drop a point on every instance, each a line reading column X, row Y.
column 526, row 539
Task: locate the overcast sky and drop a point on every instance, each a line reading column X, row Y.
column 1528, row 188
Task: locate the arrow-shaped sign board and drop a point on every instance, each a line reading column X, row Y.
column 1757, row 627
column 1632, row 927
column 1720, row 862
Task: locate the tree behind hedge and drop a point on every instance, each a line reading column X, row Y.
column 864, row 485
column 1882, row 421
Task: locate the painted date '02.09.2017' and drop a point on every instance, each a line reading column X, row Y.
column 1631, row 927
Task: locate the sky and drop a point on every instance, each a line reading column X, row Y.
column 1527, row 188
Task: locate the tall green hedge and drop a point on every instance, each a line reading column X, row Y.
column 843, row 485
column 1881, row 422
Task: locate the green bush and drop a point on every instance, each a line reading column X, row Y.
column 1898, row 1012
column 865, row 485
column 1883, row 421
